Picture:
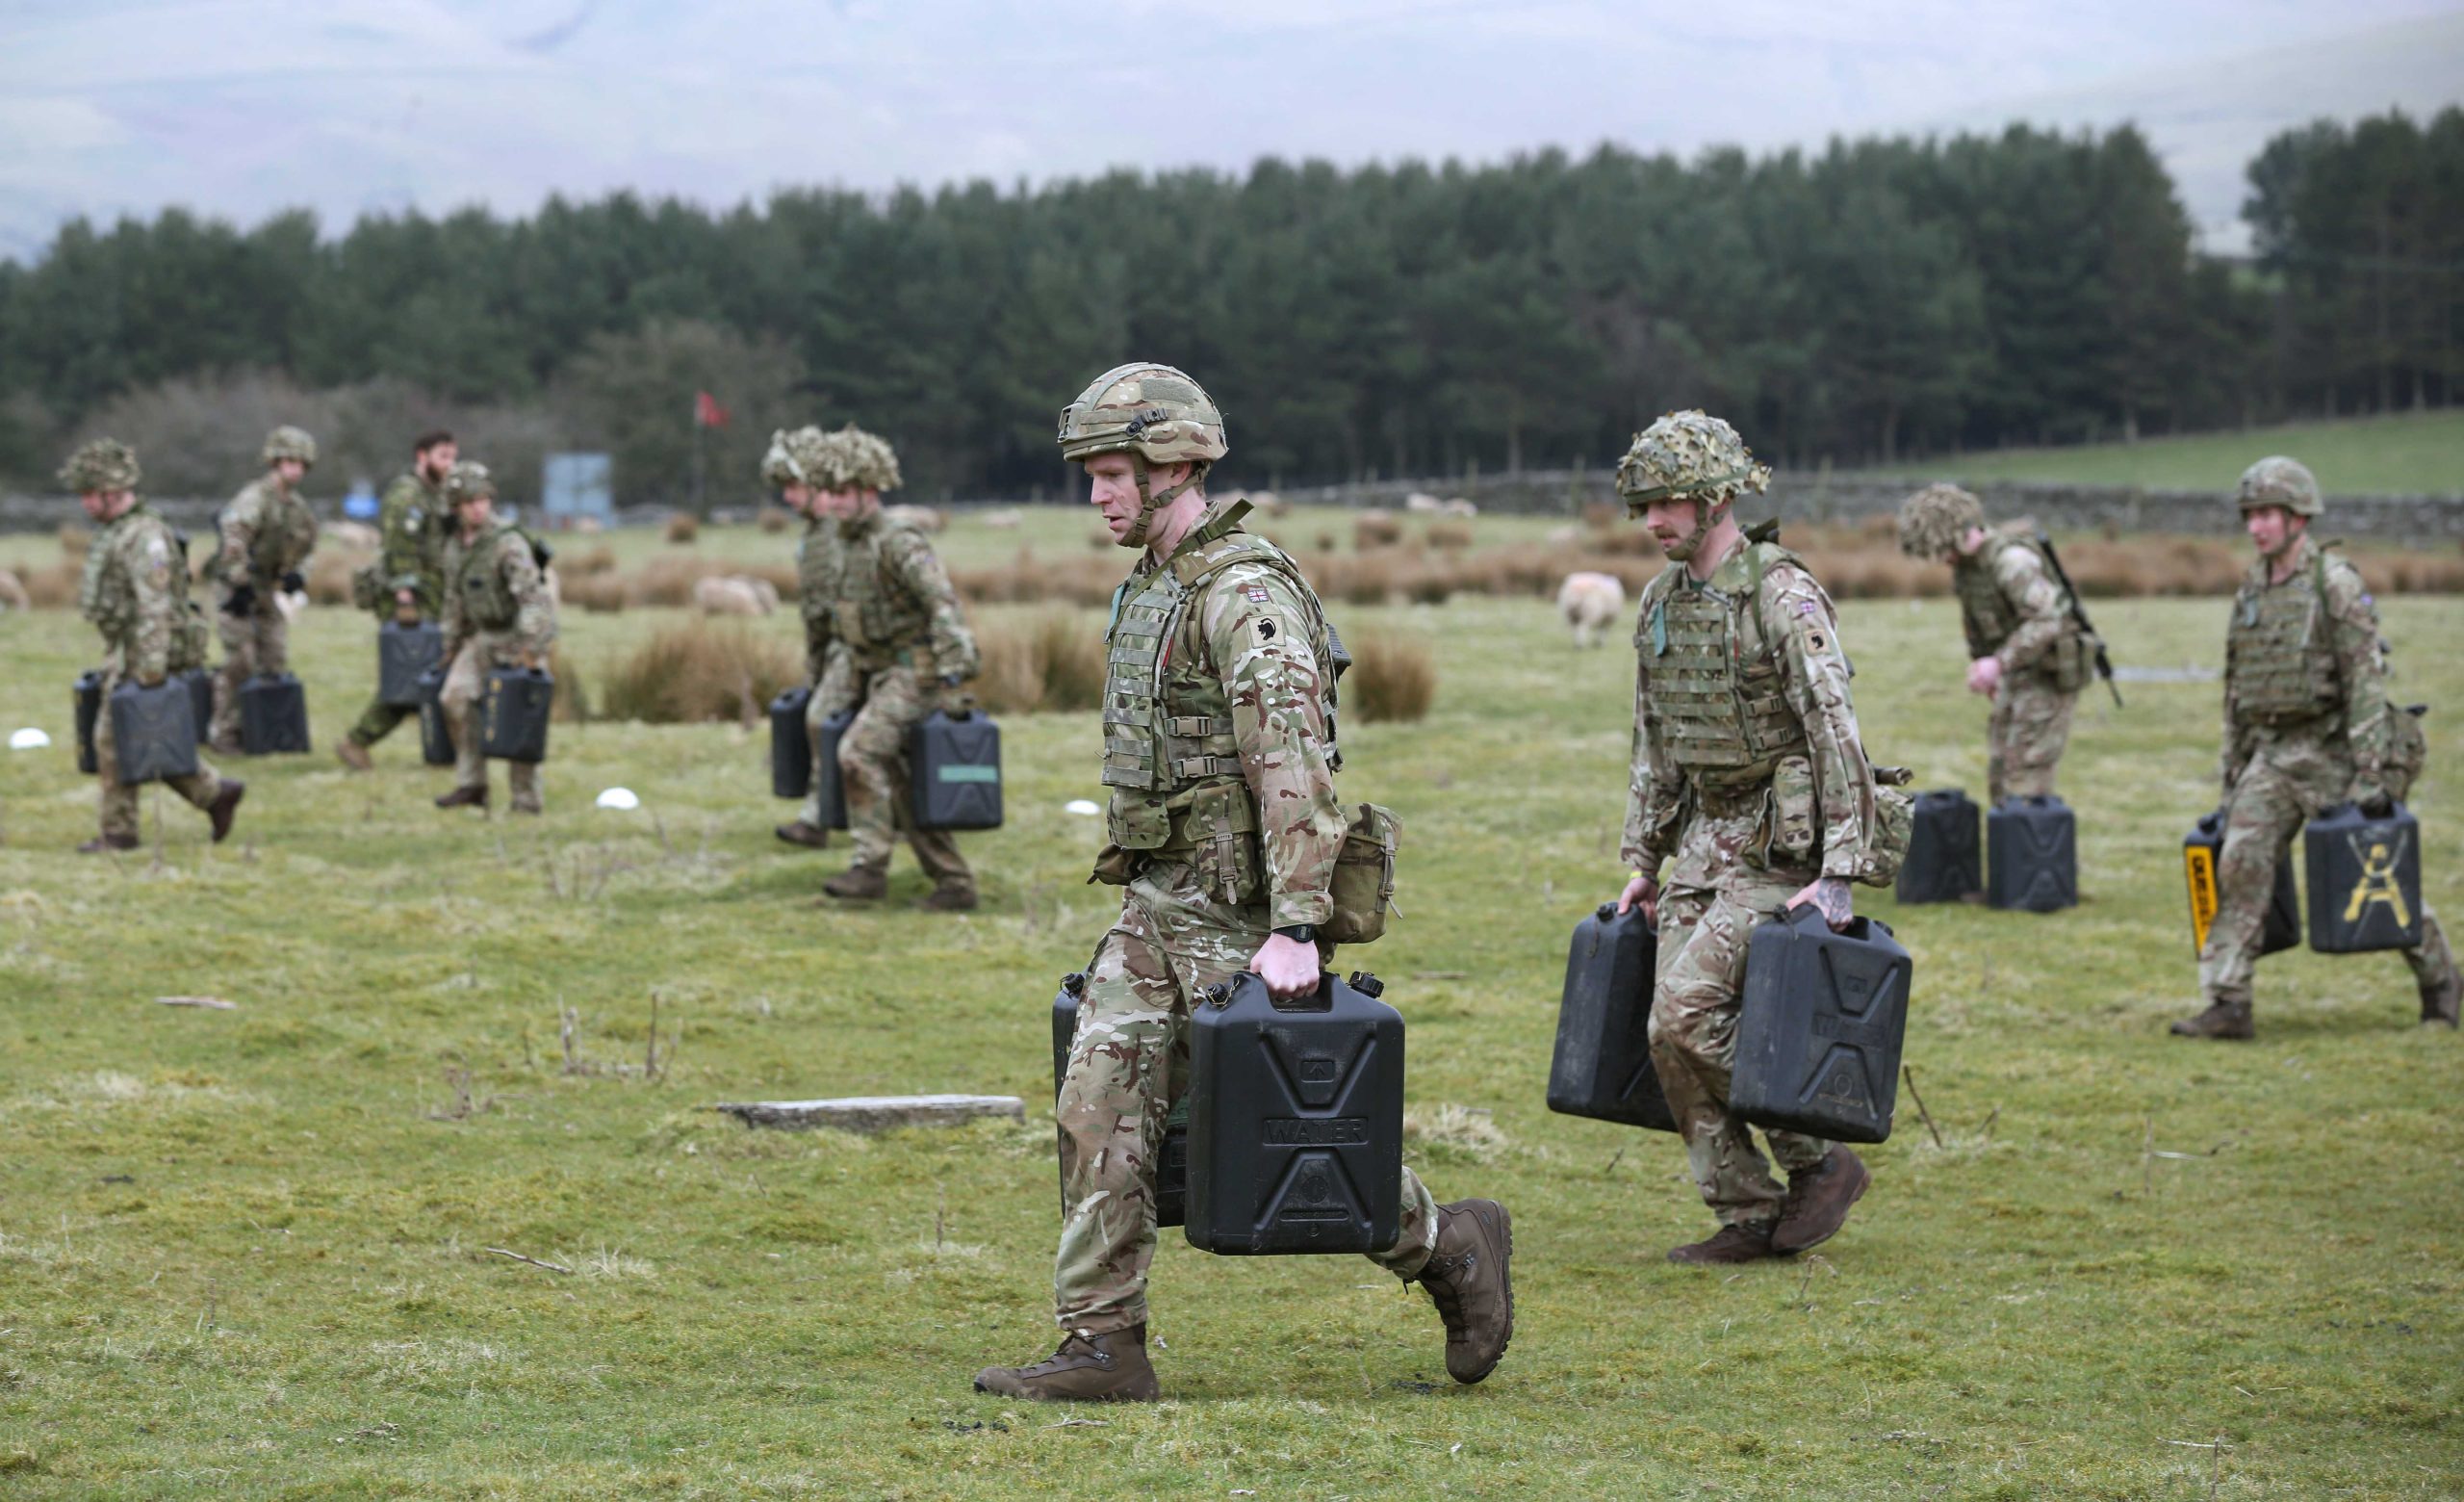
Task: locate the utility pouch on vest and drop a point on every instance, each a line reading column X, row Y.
column 1363, row 888
column 1221, row 827
column 1114, row 867
column 1788, row 836
column 1894, row 824
column 2075, row 658
column 2406, row 749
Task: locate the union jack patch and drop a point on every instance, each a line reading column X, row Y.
column 1258, row 593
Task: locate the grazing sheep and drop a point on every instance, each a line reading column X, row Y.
column 1422, row 502
column 13, row 593
column 1006, row 519
column 735, row 594
column 1565, row 537
column 1591, row 603
column 1459, row 507
column 923, row 518
column 1267, row 504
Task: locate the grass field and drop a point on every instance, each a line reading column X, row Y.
column 245, row 1251
column 2412, row 453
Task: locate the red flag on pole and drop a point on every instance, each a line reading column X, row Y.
column 706, row 411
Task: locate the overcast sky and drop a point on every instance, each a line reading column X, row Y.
column 239, row 107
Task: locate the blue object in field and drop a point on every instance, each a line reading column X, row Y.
column 360, row 505
column 576, row 486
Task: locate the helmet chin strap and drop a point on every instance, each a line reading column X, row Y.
column 1706, row 515
column 1151, row 501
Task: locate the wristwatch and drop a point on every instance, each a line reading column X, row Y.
column 1300, row 933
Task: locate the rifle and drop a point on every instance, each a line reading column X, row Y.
column 2104, row 663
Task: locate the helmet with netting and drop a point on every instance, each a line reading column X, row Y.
column 468, row 480
column 1688, row 455
column 853, row 456
column 1935, row 519
column 796, row 458
column 103, row 464
column 288, row 443
column 2276, row 480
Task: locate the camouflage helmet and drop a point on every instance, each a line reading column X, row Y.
column 1156, row 415
column 468, row 480
column 853, row 456
column 100, row 464
column 288, row 443
column 2276, row 480
column 1933, row 521
column 795, row 459
column 1688, row 455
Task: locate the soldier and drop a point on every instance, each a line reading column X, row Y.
column 266, row 535
column 1748, row 769
column 2307, row 726
column 498, row 613
column 135, row 591
column 793, row 462
column 892, row 608
column 1224, row 830
column 2025, row 648
column 410, row 571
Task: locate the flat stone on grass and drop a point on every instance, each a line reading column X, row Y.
column 875, row 1113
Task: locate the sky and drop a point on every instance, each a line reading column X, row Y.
column 243, row 108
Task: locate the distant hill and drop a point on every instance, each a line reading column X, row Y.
column 2413, row 453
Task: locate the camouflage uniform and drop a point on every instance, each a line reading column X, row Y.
column 265, row 535
column 880, row 597
column 2307, row 725
column 1748, row 769
column 806, row 456
column 498, row 613
column 135, row 589
column 2013, row 610
column 414, row 522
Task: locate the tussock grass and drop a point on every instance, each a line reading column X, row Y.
column 1052, row 660
column 681, row 529
column 775, row 520
column 1376, row 528
column 686, row 674
column 1393, row 677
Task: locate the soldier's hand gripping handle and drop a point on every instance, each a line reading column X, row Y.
column 1288, row 967
column 1829, row 897
column 1641, row 891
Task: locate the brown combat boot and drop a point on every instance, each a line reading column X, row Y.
column 949, row 897
column 1818, row 1202
column 1111, row 1367
column 226, row 807
column 1469, row 1279
column 2220, row 1019
column 353, row 755
column 2441, row 1003
column 1746, row 1242
column 858, row 883
column 102, row 842
column 799, row 833
column 465, row 798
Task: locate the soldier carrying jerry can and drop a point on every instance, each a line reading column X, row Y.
column 1225, row 837
column 796, row 465
column 2309, row 735
column 404, row 589
column 1749, row 773
column 500, row 622
column 135, row 591
column 264, row 538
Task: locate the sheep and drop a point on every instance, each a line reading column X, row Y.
column 1006, row 519
column 735, row 594
column 13, row 593
column 1459, row 507
column 1591, row 603
column 1422, row 502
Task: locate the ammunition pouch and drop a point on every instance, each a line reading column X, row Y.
column 1894, row 824
column 2406, row 749
column 1363, row 888
column 1789, row 832
column 2072, row 662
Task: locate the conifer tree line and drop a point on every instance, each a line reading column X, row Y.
column 1879, row 301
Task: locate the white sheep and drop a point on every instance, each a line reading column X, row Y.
column 735, row 594
column 1591, row 603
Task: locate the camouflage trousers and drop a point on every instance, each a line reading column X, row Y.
column 872, row 771
column 1710, row 909
column 834, row 688
column 2024, row 737
column 466, row 680
column 2285, row 784
column 258, row 641
column 119, row 803
column 1129, row 1066
column 377, row 721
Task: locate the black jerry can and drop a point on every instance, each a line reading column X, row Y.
column 2201, row 848
column 1172, row 1174
column 1945, row 849
column 200, row 686
column 1602, row 1067
column 790, row 746
column 436, row 738
column 403, row 654
column 1819, row 1032
column 2365, row 880
column 514, row 708
column 274, row 715
column 1295, row 1119
column 153, row 732
column 89, row 699
column 954, row 771
column 2032, row 855
column 833, row 781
